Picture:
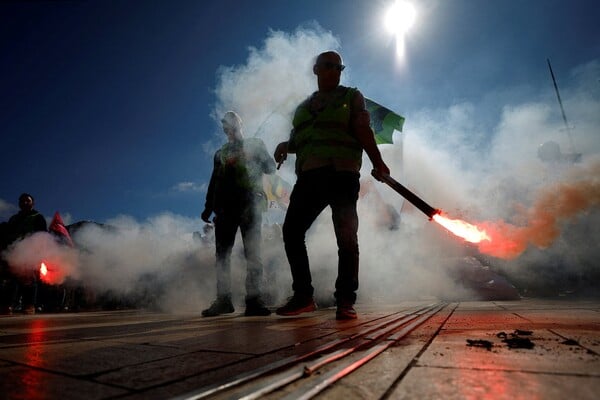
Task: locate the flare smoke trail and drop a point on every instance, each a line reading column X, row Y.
column 554, row 205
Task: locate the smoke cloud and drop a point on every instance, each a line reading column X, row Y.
column 265, row 90
column 476, row 170
column 25, row 257
column 6, row 209
column 536, row 211
column 155, row 263
column 578, row 192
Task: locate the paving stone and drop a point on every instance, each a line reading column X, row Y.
column 28, row 383
column 156, row 373
column 460, row 383
column 85, row 357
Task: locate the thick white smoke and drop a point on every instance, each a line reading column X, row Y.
column 155, row 263
column 448, row 156
column 265, row 91
column 158, row 259
column 25, row 257
column 6, row 209
column 543, row 208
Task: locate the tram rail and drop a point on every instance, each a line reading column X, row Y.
column 363, row 346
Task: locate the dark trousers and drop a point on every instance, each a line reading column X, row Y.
column 314, row 190
column 249, row 221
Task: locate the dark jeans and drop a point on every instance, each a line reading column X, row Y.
column 314, row 190
column 248, row 220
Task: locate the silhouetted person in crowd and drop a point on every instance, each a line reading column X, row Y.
column 236, row 196
column 8, row 283
column 330, row 131
column 26, row 222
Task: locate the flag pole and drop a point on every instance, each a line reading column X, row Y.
column 562, row 110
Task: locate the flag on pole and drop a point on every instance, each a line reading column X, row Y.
column 277, row 190
column 383, row 122
column 57, row 227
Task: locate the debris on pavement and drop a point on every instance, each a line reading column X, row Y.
column 570, row 342
column 515, row 340
column 486, row 344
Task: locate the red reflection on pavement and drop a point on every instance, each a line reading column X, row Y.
column 35, row 356
column 483, row 374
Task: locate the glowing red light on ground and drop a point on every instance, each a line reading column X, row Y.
column 462, row 229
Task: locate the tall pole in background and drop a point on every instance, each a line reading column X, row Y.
column 561, row 107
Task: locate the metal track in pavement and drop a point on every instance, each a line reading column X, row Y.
column 345, row 368
column 273, row 376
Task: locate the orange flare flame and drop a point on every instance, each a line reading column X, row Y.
column 460, row 228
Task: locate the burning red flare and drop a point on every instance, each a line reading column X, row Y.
column 460, row 228
column 44, row 273
column 497, row 239
column 51, row 272
column 43, row 269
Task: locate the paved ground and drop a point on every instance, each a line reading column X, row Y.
column 528, row 349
